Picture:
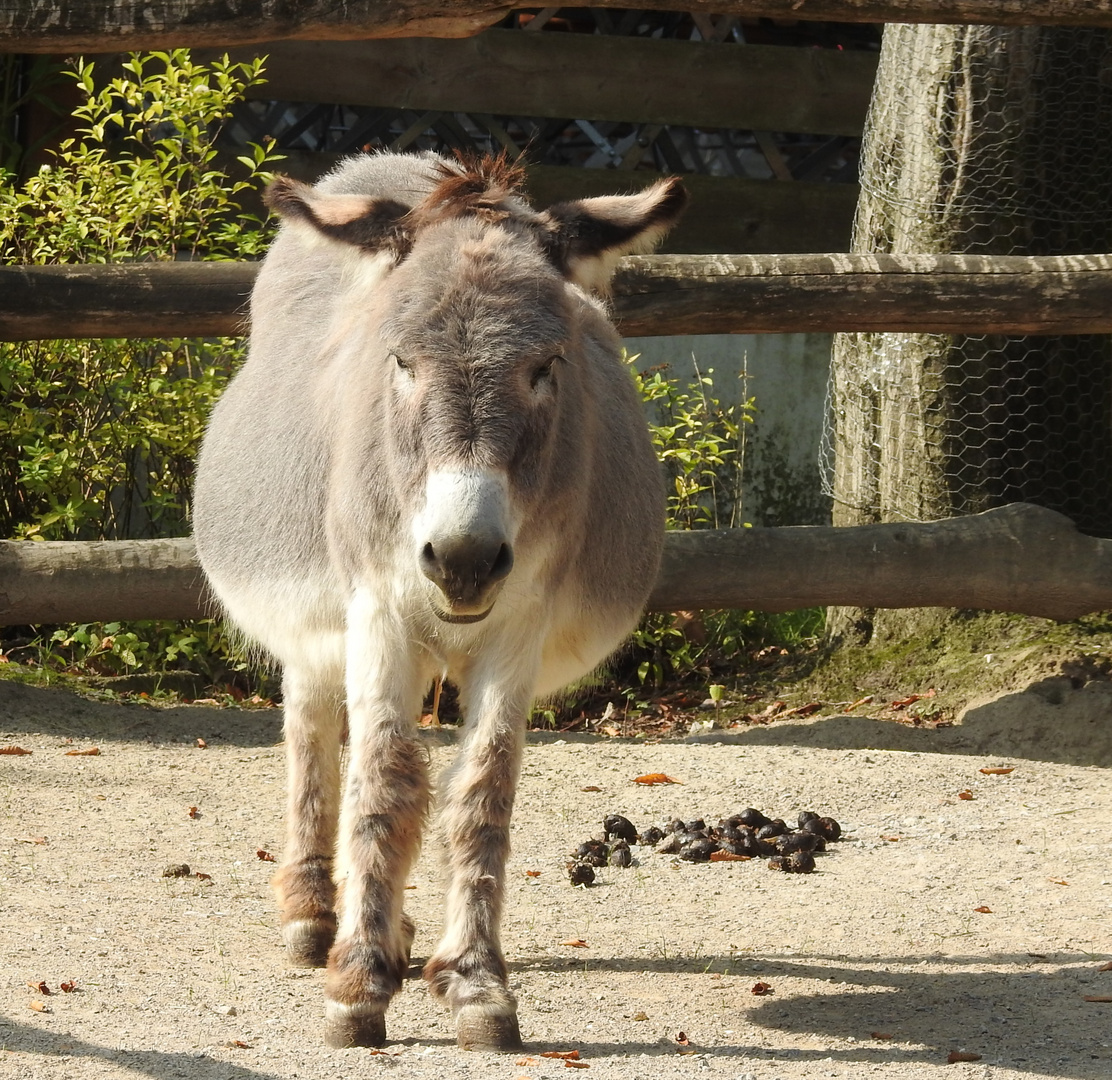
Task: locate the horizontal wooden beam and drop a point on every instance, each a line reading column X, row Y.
column 725, row 213
column 582, row 76
column 47, row 26
column 654, row 295
column 1018, row 558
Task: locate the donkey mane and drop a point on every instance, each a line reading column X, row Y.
column 472, row 185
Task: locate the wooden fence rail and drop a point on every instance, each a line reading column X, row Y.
column 47, row 26
column 1018, row 558
column 653, row 295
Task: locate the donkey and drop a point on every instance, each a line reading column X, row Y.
column 433, row 464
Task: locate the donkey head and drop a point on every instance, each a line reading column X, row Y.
column 474, row 338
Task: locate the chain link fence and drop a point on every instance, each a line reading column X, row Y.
column 993, row 141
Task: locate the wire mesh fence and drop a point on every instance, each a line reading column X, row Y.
column 995, row 141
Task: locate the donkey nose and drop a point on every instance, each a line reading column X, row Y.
column 465, row 568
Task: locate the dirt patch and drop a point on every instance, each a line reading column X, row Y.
column 880, row 962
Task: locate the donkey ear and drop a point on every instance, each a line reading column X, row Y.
column 586, row 238
column 363, row 221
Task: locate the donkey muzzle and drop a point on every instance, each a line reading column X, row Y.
column 464, row 546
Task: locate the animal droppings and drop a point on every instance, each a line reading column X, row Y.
column 739, row 837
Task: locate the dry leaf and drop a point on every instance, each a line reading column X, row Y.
column 68, row 987
column 575, row 943
column 760, row 989
column 1105, row 967
column 892, row 839
column 238, row 1044
column 202, row 877
column 880, row 1035
column 576, row 1065
column 563, row 1055
column 591, row 787
column 38, row 1006
column 93, row 751
column 909, row 700
column 264, row 855
column 525, row 1062
column 998, row 772
column 960, row 1055
column 14, row 750
column 1097, row 997
column 30, row 839
column 609, row 729
column 984, row 910
column 41, row 987
column 866, row 700
column 640, row 1016
column 1055, row 881
column 201, row 744
column 194, row 812
column 728, row 856
column 655, row 778
column 532, row 873
column 967, row 795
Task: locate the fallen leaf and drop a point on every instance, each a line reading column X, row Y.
column 525, row 1062
column 38, row 1006
column 264, row 855
column 532, row 873
column 93, row 751
column 576, row 1065
column 238, row 1044
column 202, row 877
column 14, row 750
column 984, row 910
column 41, row 987
column 655, row 778
column 68, row 987
column 1097, row 997
column 30, row 839
column 1055, row 881
column 575, row 943
column 1105, row 967
column 892, row 839
column 909, row 700
column 563, row 1055
column 640, row 1016
column 194, row 812
column 609, row 729
column 201, row 744
column 998, row 772
column 728, row 856
column 866, row 700
column 967, row 795
column 961, row 1055
column 591, row 787
column 760, row 989
column 880, row 1035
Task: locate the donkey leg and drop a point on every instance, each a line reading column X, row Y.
column 314, row 718
column 385, row 800
column 467, row 971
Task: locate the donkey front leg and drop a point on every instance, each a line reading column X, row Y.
column 313, row 725
column 385, row 799
column 467, row 971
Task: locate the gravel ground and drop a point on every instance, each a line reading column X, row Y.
column 879, row 963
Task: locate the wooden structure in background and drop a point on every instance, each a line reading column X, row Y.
column 45, row 26
column 654, row 295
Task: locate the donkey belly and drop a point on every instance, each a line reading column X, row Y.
column 258, row 523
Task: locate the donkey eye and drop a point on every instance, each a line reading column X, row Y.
column 403, row 365
column 543, row 372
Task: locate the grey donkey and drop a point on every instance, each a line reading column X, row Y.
column 433, row 464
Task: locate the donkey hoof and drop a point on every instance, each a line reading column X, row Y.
column 478, row 1029
column 354, row 1029
column 308, row 941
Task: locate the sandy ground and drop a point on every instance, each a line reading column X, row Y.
column 879, row 963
